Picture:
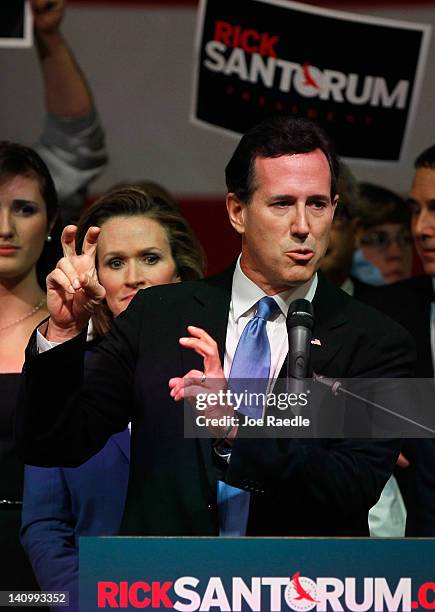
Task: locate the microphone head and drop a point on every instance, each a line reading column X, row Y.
column 300, row 312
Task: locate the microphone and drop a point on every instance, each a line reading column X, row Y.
column 300, row 323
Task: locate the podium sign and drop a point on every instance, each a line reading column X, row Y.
column 257, row 574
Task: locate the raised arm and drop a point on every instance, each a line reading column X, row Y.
column 56, row 424
column 72, row 143
column 66, row 91
column 73, row 288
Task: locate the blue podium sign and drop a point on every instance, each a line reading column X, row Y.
column 257, row 574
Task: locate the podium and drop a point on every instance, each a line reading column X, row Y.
column 257, row 574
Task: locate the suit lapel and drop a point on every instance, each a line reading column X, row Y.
column 329, row 313
column 209, row 310
column 327, row 338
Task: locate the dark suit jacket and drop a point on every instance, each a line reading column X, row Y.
column 409, row 303
column 298, row 486
column 363, row 291
column 62, row 504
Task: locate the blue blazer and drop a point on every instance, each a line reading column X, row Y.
column 62, row 504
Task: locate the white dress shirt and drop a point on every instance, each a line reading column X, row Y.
column 244, row 298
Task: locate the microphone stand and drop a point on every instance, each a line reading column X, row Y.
column 336, row 387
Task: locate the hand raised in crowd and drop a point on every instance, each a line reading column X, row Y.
column 47, row 15
column 209, row 384
column 73, row 289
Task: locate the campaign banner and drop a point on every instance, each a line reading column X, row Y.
column 357, row 76
column 16, row 24
column 257, row 574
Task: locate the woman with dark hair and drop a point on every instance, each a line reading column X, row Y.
column 28, row 209
column 143, row 241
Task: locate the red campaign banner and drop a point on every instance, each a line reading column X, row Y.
column 357, row 76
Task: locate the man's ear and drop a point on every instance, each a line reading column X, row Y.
column 334, row 205
column 235, row 210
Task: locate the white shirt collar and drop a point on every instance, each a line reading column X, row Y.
column 90, row 333
column 246, row 294
column 348, row 286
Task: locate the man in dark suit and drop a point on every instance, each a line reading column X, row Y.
column 354, row 214
column 281, row 200
column 411, row 303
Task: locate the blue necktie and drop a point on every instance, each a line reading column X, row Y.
column 252, row 357
column 251, row 361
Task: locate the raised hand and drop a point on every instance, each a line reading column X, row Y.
column 210, row 383
column 47, row 15
column 73, row 289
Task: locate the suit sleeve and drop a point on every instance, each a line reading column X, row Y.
column 342, row 475
column 47, row 531
column 67, row 411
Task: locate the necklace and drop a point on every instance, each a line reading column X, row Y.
column 26, row 316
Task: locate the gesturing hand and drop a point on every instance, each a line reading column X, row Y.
column 47, row 15
column 73, row 289
column 209, row 382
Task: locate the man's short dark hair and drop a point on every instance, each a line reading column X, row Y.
column 19, row 160
column 274, row 137
column 378, row 205
column 426, row 159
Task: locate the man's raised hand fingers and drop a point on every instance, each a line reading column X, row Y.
column 58, row 279
column 91, row 240
column 69, row 270
column 43, row 6
column 198, row 332
column 199, row 346
column 38, row 5
column 92, row 287
column 179, row 385
column 205, row 346
column 68, row 240
column 200, row 341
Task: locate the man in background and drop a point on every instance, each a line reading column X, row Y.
column 411, row 303
column 370, row 241
column 358, row 214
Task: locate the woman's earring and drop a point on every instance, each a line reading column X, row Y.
column 48, row 239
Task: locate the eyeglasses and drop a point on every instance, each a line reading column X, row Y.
column 382, row 240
